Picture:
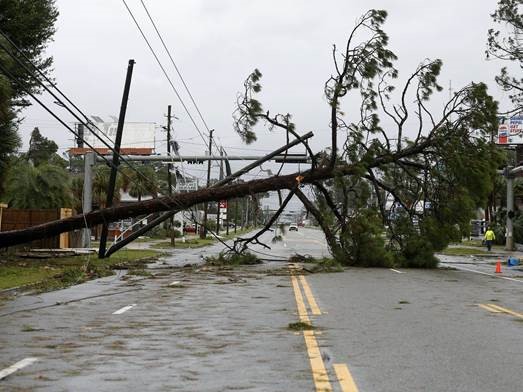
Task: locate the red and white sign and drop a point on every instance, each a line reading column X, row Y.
column 510, row 130
column 223, row 204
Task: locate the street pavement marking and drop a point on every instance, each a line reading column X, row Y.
column 505, row 310
column 319, row 373
column 302, row 311
column 487, row 307
column 310, row 298
column 395, row 270
column 483, row 273
column 124, row 309
column 345, row 379
column 17, row 366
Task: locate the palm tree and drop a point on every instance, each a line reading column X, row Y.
column 45, row 186
column 101, row 177
column 143, row 182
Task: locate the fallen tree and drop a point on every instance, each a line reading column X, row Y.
column 382, row 195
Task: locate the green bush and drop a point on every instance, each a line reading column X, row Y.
column 362, row 244
column 418, row 252
column 233, row 259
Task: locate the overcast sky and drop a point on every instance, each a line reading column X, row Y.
column 217, row 43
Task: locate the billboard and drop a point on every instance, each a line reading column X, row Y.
column 510, row 130
column 135, row 134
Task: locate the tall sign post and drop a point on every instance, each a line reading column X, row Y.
column 510, row 133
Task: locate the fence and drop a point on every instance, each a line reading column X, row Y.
column 15, row 219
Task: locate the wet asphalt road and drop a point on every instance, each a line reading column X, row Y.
column 220, row 330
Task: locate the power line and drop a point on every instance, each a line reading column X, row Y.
column 164, row 71
column 179, row 73
column 61, row 103
column 110, row 163
column 175, row 66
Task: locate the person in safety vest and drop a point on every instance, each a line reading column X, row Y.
column 489, row 237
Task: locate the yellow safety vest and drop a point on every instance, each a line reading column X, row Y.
column 489, row 235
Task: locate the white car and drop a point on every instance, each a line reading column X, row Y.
column 293, row 227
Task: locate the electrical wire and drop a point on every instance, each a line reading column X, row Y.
column 66, row 107
column 175, row 66
column 88, row 122
column 213, row 140
column 110, row 163
column 164, row 71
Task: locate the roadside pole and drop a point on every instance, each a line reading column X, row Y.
column 203, row 232
column 169, row 167
column 509, row 244
column 87, row 199
column 116, row 156
column 235, row 215
column 219, row 209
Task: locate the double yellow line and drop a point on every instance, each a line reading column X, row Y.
column 498, row 309
column 319, row 372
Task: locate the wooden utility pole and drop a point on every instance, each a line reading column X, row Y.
column 116, row 156
column 221, row 178
column 203, row 232
column 87, row 205
column 235, row 215
column 169, row 168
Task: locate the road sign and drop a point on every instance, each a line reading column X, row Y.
column 223, row 204
column 187, row 185
column 510, row 130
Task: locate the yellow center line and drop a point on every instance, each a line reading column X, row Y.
column 345, row 379
column 319, row 373
column 302, row 311
column 487, row 307
column 315, row 309
column 505, row 310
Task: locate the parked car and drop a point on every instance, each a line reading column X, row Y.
column 293, row 227
column 189, row 229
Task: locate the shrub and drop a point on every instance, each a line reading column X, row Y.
column 362, row 244
column 233, row 259
column 418, row 252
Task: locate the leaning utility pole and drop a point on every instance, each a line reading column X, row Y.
column 203, row 232
column 116, row 156
column 230, row 178
column 169, row 167
column 221, row 178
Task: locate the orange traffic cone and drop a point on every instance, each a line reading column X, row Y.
column 498, row 267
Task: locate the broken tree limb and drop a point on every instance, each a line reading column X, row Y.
column 255, row 238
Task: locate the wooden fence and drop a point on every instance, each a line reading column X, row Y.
column 14, row 219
